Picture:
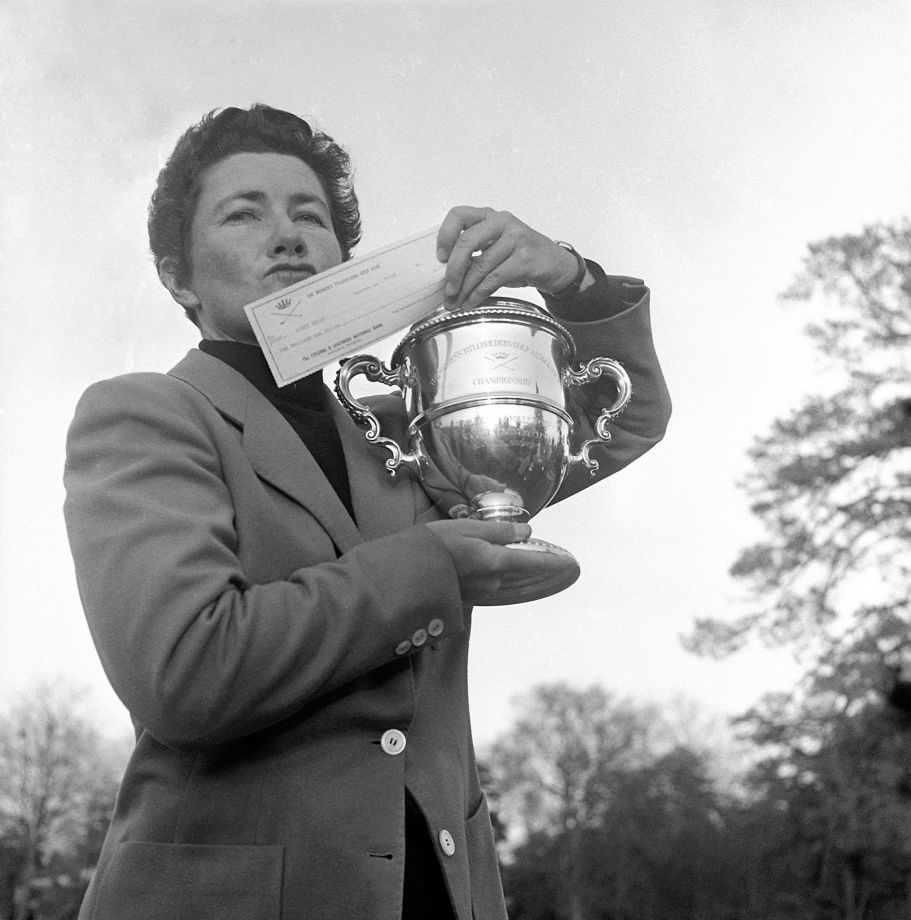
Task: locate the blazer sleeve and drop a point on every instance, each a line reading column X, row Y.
column 197, row 650
column 611, row 319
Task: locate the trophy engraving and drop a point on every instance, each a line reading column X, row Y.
column 490, row 426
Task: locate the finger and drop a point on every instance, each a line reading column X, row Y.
column 457, row 220
column 499, row 532
column 495, row 532
column 472, row 242
column 485, row 274
column 518, row 566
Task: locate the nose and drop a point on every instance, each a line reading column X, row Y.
column 287, row 238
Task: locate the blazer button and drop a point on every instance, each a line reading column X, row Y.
column 419, row 637
column 435, row 628
column 447, row 844
column 393, row 741
column 404, row 647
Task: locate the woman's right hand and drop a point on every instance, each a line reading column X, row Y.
column 485, row 563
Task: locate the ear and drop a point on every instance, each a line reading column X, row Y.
column 184, row 295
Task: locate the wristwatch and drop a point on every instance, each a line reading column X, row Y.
column 573, row 286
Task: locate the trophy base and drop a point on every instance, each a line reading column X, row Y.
column 564, row 570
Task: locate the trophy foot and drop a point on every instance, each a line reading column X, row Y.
column 562, row 571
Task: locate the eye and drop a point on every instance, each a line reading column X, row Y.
column 241, row 215
column 310, row 217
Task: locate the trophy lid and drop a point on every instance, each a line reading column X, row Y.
column 504, row 309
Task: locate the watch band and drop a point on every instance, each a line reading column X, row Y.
column 573, row 285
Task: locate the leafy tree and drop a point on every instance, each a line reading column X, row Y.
column 832, row 481
column 840, row 781
column 831, row 484
column 532, row 887
column 613, row 816
column 838, row 770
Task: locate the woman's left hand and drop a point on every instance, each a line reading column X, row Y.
column 485, row 250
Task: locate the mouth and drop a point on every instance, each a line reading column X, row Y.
column 289, row 274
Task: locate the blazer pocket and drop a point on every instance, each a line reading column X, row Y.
column 178, row 881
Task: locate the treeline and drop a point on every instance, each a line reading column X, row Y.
column 604, row 815
column 605, row 809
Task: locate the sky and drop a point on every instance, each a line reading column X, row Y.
column 698, row 145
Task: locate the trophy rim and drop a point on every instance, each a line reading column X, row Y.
column 507, row 308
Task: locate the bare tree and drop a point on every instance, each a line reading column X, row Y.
column 557, row 770
column 51, row 776
column 554, row 767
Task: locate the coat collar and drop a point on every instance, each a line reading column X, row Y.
column 279, row 456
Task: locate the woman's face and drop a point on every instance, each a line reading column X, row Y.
column 262, row 222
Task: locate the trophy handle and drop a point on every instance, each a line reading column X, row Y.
column 587, row 372
column 376, row 372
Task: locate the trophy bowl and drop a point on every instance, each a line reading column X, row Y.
column 490, row 426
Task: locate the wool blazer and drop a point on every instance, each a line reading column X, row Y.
column 289, row 672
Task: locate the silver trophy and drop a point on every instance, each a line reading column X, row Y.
column 490, row 427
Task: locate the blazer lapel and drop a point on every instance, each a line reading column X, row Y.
column 271, row 444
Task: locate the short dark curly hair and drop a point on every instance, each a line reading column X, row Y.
column 259, row 129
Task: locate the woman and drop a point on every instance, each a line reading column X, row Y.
column 288, row 625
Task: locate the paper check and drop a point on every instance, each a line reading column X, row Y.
column 308, row 325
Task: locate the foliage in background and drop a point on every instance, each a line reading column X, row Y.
column 831, row 483
column 615, row 827
column 642, row 828
column 610, row 813
column 57, row 787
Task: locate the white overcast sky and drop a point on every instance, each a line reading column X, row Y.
column 700, row 145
